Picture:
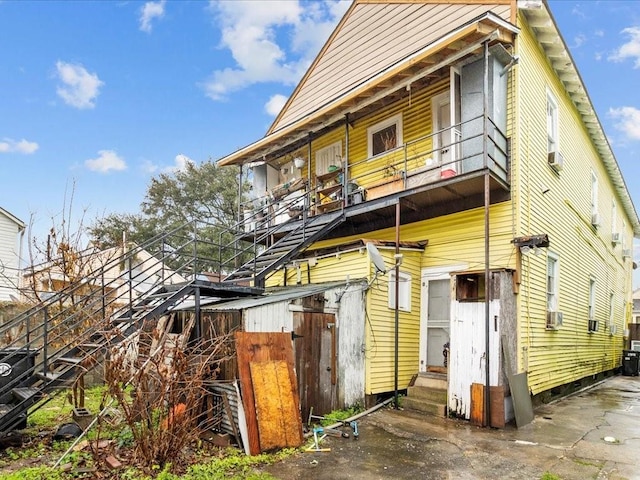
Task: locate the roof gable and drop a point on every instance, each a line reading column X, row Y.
column 372, row 36
column 13, row 218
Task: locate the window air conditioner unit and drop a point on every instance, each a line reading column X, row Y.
column 626, row 253
column 554, row 320
column 635, row 345
column 555, row 160
column 613, row 329
column 615, row 238
column 595, row 219
column 593, row 325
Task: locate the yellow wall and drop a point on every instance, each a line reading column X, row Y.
column 564, row 213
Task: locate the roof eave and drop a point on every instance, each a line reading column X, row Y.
column 544, row 25
column 303, row 126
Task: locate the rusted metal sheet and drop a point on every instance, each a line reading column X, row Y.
column 277, row 410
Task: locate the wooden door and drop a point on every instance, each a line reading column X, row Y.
column 316, row 360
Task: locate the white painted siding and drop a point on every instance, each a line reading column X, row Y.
column 467, row 352
column 348, row 306
column 9, row 257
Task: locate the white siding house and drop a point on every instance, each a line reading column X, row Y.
column 11, row 232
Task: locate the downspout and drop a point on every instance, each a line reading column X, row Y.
column 345, row 166
column 396, row 312
column 487, row 200
column 240, row 226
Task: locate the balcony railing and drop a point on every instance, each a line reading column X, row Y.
column 442, row 155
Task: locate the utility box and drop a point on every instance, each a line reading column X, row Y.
column 16, row 365
column 630, row 362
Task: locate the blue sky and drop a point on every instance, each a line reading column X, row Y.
column 98, row 96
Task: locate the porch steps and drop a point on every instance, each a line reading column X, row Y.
column 428, row 394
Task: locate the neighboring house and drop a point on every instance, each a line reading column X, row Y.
column 635, row 315
column 100, row 270
column 460, row 137
column 11, row 233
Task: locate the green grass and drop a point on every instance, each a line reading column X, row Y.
column 550, row 476
column 340, row 415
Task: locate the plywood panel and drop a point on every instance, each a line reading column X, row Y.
column 276, row 409
column 262, row 347
column 477, row 404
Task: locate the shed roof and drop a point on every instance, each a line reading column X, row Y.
column 284, row 294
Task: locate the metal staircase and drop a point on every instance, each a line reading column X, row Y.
column 48, row 346
column 303, row 234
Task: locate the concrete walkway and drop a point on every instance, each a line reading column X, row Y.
column 591, row 435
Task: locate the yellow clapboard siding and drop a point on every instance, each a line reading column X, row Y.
column 564, row 213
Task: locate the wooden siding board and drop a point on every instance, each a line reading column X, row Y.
column 9, row 252
column 556, row 357
column 367, row 34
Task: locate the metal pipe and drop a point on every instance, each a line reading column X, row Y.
column 397, row 310
column 487, row 200
column 345, row 166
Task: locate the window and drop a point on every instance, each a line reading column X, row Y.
column 552, row 282
column 594, row 197
column 611, row 319
column 552, row 123
column 593, row 323
column 404, row 291
column 330, row 155
column 384, row 136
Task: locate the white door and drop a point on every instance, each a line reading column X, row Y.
column 441, row 112
column 435, row 314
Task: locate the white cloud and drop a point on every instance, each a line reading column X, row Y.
column 271, row 41
column 179, row 165
column 579, row 40
column 627, row 121
column 631, row 49
column 8, row 145
column 79, row 88
column 275, row 104
column 149, row 12
column 107, row 161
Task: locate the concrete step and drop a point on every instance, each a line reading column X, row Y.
column 424, row 406
column 431, row 380
column 426, row 393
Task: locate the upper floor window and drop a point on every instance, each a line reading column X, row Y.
column 384, row 136
column 327, row 156
column 594, row 198
column 552, row 123
column 553, row 272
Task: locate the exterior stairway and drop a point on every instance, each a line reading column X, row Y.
column 287, row 248
column 47, row 347
column 428, row 394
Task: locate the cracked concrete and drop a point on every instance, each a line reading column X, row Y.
column 566, row 438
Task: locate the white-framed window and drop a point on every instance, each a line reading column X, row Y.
column 553, row 278
column 384, row 136
column 611, row 302
column 329, row 155
column 404, row 291
column 594, row 194
column 593, row 323
column 552, row 123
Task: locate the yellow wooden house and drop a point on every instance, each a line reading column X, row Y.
column 459, row 139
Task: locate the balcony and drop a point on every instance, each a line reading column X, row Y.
column 436, row 174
